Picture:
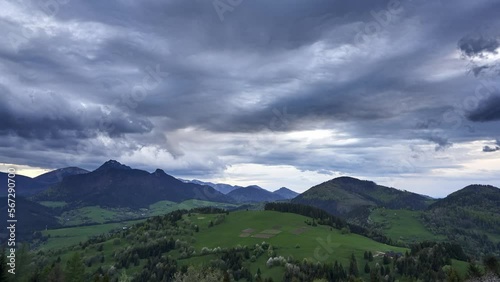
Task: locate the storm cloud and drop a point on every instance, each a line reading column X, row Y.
column 376, row 89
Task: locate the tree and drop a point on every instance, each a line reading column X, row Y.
column 365, row 255
column 353, row 266
column 491, row 264
column 452, row 275
column 367, row 268
column 386, row 260
column 199, row 275
column 473, row 271
column 374, row 277
column 370, row 256
column 3, row 265
column 24, row 263
column 56, row 274
column 124, row 277
column 75, row 269
column 226, row 277
column 258, row 276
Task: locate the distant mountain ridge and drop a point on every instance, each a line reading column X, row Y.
column 116, row 185
column 57, row 175
column 221, row 187
column 27, row 186
column 282, row 193
column 253, row 194
column 286, row 193
column 344, row 195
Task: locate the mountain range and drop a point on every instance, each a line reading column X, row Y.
column 221, row 187
column 116, row 185
column 470, row 216
column 282, row 193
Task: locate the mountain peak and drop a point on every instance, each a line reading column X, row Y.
column 255, row 187
column 57, row 175
column 286, row 193
column 112, row 164
column 159, row 172
column 283, row 189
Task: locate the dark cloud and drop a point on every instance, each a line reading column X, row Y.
column 81, row 84
column 487, row 110
column 478, row 46
column 489, row 149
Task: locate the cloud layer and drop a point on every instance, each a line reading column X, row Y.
column 386, row 90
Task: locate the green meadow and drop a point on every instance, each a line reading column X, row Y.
column 66, row 237
column 288, row 234
column 402, row 225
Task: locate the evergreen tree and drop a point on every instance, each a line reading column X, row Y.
column 473, row 271
column 491, row 264
column 452, row 275
column 370, row 256
column 124, row 277
column 56, row 274
column 374, row 277
column 3, row 265
column 367, row 268
column 386, row 260
column 24, row 269
column 258, row 276
column 353, row 266
column 226, row 277
column 365, row 255
column 387, row 270
column 75, row 269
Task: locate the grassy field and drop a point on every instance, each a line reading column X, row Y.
column 163, row 207
column 65, row 237
column 402, row 225
column 97, row 214
column 53, row 204
column 86, row 215
column 289, row 236
column 287, row 233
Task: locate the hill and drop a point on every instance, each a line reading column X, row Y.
column 221, row 187
column 253, row 194
column 31, row 217
column 482, row 197
column 470, row 216
column 347, row 195
column 117, row 185
column 25, row 186
column 55, row 176
column 286, row 193
column 236, row 246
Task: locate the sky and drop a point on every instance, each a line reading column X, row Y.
column 275, row 93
